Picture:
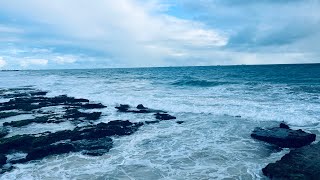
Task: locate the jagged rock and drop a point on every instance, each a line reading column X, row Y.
column 284, row 126
column 164, row 116
column 140, row 106
column 284, row 137
column 180, row 122
column 3, row 131
column 301, row 163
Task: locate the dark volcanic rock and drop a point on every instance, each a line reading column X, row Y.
column 164, row 116
column 180, row 122
column 41, row 120
column 302, row 163
column 3, row 131
column 284, row 137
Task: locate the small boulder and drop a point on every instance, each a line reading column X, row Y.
column 140, row 106
column 180, row 122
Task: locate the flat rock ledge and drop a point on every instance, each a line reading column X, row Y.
column 302, row 163
column 283, row 136
column 91, row 140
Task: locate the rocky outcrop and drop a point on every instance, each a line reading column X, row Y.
column 91, row 140
column 302, row 163
column 164, row 116
column 139, row 109
column 283, row 136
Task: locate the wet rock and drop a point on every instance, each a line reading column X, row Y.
column 41, row 120
column 140, row 109
column 27, row 143
column 123, row 107
column 140, row 106
column 38, row 93
column 95, row 147
column 3, row 159
column 180, row 122
column 8, row 114
column 151, row 122
column 284, row 126
column 76, row 114
column 3, row 131
column 164, row 116
column 302, row 163
column 41, row 152
column 284, row 137
column 93, row 106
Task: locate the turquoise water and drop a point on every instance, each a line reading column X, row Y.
column 212, row 143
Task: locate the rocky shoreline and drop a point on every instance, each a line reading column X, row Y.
column 94, row 139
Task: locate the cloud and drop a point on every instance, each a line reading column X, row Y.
column 123, row 29
column 64, row 59
column 131, row 33
column 26, row 63
column 2, row 62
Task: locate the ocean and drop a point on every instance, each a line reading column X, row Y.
column 220, row 107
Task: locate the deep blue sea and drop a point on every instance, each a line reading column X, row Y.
column 214, row 141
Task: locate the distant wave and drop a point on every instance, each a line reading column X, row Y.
column 199, row 83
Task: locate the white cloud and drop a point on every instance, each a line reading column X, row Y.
column 30, row 63
column 2, row 62
column 64, row 59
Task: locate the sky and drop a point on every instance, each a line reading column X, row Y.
column 73, row 34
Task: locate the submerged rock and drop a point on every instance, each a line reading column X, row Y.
column 180, row 122
column 302, row 163
column 164, row 116
column 283, row 136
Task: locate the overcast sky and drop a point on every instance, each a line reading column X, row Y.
column 47, row 34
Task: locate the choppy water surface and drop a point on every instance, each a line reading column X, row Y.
column 212, row 143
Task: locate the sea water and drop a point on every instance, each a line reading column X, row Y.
column 220, row 106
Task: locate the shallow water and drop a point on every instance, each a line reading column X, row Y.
column 211, row 144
